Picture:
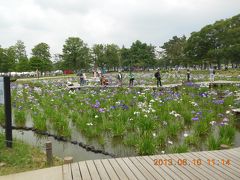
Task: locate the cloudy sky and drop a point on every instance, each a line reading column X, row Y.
column 106, row 21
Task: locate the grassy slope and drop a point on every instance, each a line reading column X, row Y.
column 21, row 157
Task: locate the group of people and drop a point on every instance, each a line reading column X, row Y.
column 157, row 75
column 120, row 78
column 211, row 77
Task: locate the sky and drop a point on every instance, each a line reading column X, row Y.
column 106, row 21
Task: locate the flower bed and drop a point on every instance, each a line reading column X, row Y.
column 146, row 120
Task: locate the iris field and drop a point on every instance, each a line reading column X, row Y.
column 147, row 120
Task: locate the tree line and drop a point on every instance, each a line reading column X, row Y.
column 217, row 44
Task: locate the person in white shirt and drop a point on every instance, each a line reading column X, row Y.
column 212, row 74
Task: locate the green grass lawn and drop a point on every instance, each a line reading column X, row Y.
column 21, row 157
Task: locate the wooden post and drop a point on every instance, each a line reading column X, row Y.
column 49, row 153
column 210, row 85
column 8, row 111
column 237, row 115
column 68, row 160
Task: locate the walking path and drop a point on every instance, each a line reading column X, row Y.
column 212, row 165
column 205, row 83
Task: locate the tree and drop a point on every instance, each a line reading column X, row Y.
column 112, row 56
column 20, row 50
column 58, row 63
column 11, row 58
column 21, row 57
column 76, row 54
column 98, row 51
column 4, row 66
column 217, row 43
column 41, row 58
column 23, row 65
column 173, row 50
column 142, row 55
column 125, row 56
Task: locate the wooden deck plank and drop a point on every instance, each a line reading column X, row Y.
column 234, row 166
column 236, row 149
column 92, row 170
column 195, row 169
column 126, row 169
column 218, row 169
column 117, row 169
column 101, row 170
column 233, row 153
column 134, row 169
column 185, row 169
column 226, row 169
column 67, row 173
column 179, row 173
column 221, row 155
column 75, row 171
column 204, row 168
column 158, row 169
column 168, row 169
column 111, row 173
column 84, row 170
column 141, row 168
column 149, row 168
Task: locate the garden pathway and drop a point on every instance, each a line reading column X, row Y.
column 205, row 83
column 220, row 164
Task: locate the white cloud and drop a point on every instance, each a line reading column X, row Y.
column 107, row 21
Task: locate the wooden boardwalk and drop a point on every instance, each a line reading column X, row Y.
column 222, row 164
column 216, row 165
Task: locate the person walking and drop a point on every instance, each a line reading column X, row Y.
column 188, row 75
column 84, row 78
column 80, row 77
column 158, row 77
column 131, row 79
column 120, row 78
column 212, row 74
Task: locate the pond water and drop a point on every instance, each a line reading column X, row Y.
column 60, row 149
column 111, row 145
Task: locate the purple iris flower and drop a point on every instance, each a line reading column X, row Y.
column 189, row 84
column 124, row 107
column 96, row 105
column 223, row 124
column 113, row 107
column 218, row 101
column 199, row 113
column 195, row 118
column 225, row 119
column 101, row 110
column 203, row 94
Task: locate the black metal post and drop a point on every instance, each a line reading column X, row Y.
column 8, row 112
